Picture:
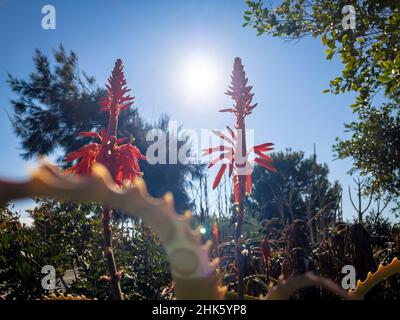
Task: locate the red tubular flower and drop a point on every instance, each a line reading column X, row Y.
column 215, row 231
column 116, row 99
column 236, row 149
column 122, row 160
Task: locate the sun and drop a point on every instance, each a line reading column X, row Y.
column 199, row 77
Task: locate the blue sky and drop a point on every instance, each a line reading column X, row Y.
column 154, row 38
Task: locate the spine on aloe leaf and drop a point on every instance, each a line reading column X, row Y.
column 381, row 274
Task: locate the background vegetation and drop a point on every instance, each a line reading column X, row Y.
column 294, row 218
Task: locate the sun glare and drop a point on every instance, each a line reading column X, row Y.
column 199, row 77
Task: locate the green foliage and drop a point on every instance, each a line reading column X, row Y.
column 380, row 229
column 53, row 106
column 299, row 190
column 21, row 259
column 370, row 54
column 374, row 147
column 69, row 237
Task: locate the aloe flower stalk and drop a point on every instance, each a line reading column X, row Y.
column 121, row 159
column 238, row 156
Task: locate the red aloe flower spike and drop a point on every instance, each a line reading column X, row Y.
column 219, row 148
column 227, row 155
column 264, row 156
column 264, row 147
column 239, row 163
column 222, row 136
column 227, row 110
column 248, row 184
column 265, row 164
column 85, row 151
column 120, row 159
column 232, row 133
column 230, row 169
column 219, row 176
column 236, row 189
column 120, row 140
column 116, row 99
column 89, row 134
column 241, row 94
